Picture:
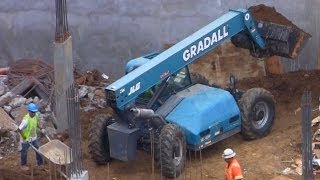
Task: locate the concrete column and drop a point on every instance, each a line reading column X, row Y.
column 63, row 74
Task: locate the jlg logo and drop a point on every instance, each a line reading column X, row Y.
column 134, row 88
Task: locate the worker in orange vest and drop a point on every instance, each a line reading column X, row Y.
column 233, row 168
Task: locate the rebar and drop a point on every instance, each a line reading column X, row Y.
column 195, row 157
column 50, row 175
column 307, row 171
column 160, row 156
column 152, row 151
column 74, row 130
column 108, row 177
column 61, row 21
column 200, row 164
column 190, row 165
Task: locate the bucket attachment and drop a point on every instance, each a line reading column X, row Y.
column 281, row 36
column 280, row 40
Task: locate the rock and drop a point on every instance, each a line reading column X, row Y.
column 91, row 89
column 294, row 165
column 317, row 152
column 1, row 157
column 286, row 171
column 2, row 90
column 88, row 108
column 6, row 121
column 315, row 162
column 48, row 108
column 99, row 93
column 44, row 116
column 29, row 100
column 299, row 170
column 14, row 136
column 6, row 98
column 42, row 105
column 99, row 103
column 315, row 120
column 3, row 79
column 36, row 100
column 7, row 108
column 298, row 162
column 17, row 101
column 90, row 96
column 51, row 132
column 83, row 91
column 18, row 113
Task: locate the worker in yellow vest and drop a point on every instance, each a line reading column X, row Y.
column 28, row 130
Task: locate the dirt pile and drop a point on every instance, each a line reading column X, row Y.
column 92, row 78
column 287, row 88
column 269, row 14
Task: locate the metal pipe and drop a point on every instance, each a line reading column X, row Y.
column 149, row 114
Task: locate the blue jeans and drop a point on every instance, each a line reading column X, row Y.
column 24, row 152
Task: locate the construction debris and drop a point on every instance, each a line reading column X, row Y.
column 29, row 81
column 17, row 101
column 6, row 122
column 287, row 171
column 83, row 91
column 315, row 120
column 26, row 75
column 4, row 99
column 92, row 78
column 92, row 98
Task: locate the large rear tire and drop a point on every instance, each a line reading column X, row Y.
column 258, row 112
column 171, row 151
column 98, row 139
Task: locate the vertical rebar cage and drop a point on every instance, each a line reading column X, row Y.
column 306, row 105
column 62, row 32
column 74, row 130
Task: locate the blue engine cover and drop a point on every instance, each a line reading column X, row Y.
column 206, row 114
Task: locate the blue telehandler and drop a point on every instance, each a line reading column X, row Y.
column 159, row 106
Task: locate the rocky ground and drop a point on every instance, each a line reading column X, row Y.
column 276, row 156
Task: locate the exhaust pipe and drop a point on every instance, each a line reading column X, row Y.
column 148, row 114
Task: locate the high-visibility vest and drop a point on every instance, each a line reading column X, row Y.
column 31, row 129
column 233, row 171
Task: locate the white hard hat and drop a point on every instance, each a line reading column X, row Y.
column 228, row 153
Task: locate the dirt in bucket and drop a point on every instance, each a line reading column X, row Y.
column 269, row 14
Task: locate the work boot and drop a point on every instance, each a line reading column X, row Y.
column 25, row 168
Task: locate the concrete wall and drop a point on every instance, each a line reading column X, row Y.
column 107, row 33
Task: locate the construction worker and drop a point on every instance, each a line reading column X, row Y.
column 233, row 168
column 28, row 131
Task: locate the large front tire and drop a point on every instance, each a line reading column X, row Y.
column 98, row 139
column 171, row 151
column 258, row 112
